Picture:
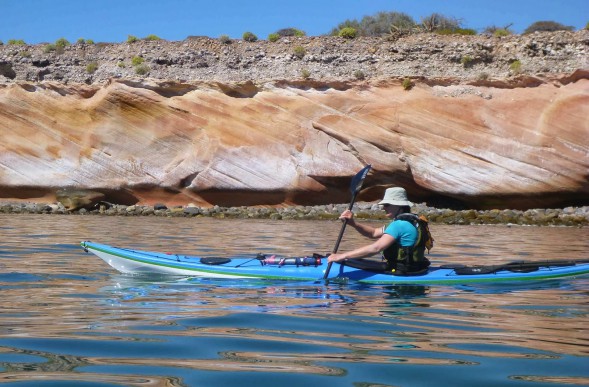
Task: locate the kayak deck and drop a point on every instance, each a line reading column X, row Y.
column 312, row 268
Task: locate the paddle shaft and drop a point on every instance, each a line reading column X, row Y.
column 356, row 186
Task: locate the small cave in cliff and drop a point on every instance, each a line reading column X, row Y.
column 119, row 196
column 239, row 198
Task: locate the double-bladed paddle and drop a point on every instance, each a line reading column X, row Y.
column 355, row 188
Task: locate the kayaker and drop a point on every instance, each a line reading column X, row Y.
column 402, row 242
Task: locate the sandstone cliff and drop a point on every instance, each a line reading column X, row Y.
column 258, row 124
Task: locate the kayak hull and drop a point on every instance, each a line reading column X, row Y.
column 144, row 262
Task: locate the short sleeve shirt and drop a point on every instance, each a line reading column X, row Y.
column 404, row 232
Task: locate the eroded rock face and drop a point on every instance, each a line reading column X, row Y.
column 280, row 142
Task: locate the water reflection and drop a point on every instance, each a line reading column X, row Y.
column 67, row 316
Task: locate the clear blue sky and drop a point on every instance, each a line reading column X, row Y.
column 37, row 21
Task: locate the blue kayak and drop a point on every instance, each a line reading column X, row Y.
column 313, row 268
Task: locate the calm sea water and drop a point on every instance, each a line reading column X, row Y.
column 67, row 319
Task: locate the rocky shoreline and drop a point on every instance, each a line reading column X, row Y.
column 569, row 216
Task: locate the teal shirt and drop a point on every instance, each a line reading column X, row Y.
column 404, row 232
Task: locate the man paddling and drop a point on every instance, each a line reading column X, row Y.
column 402, row 242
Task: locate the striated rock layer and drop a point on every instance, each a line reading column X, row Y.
column 284, row 142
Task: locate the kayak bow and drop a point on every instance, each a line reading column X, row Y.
column 312, row 268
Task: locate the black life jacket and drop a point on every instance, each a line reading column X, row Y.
column 410, row 259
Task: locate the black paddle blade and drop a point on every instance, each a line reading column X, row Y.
column 358, row 180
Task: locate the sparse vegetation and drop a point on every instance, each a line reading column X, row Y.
column 515, row 67
column 152, row 37
column 348, row 33
column 16, row 42
column 498, row 31
column 359, row 75
column 249, row 36
column 91, row 67
column 137, row 60
column 225, row 39
column 437, row 22
column 502, row 32
column 305, row 74
column 121, row 65
column 466, row 61
column 299, row 52
column 407, row 84
column 290, row 32
column 273, row 37
column 84, row 41
column 483, row 76
column 62, row 42
column 132, row 39
column 547, row 26
column 378, row 25
column 457, row 31
column 142, row 69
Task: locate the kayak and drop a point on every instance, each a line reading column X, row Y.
column 313, row 268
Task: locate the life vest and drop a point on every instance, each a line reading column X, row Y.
column 410, row 259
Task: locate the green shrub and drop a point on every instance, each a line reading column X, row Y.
column 359, row 75
column 299, row 52
column 498, row 31
column 466, row 60
column 142, row 69
column 62, row 42
column 225, row 39
column 516, row 66
column 290, row 32
column 16, row 42
column 25, row 54
column 84, row 41
column 407, row 84
column 348, row 33
column 152, row 37
column 501, row 32
column 273, row 37
column 91, row 67
column 249, row 37
column 587, row 26
column 121, row 65
column 306, row 74
column 49, row 48
column 382, row 23
column 456, row 31
column 347, row 24
column 437, row 22
column 137, row 60
column 132, row 39
column 547, row 26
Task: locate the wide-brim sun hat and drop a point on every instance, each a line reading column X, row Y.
column 396, row 196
